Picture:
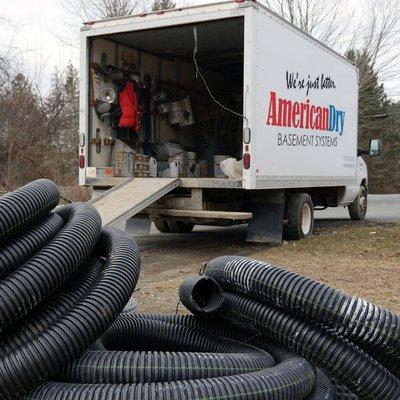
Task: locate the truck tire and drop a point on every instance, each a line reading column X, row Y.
column 300, row 216
column 180, row 226
column 358, row 208
column 162, row 226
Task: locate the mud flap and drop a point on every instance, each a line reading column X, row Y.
column 268, row 212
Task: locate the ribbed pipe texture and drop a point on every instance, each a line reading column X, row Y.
column 354, row 318
column 63, row 282
column 26, row 205
column 339, row 357
column 259, row 331
column 199, row 366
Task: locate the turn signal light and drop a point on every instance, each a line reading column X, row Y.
column 246, row 160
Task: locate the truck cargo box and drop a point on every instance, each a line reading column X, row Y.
column 251, row 119
column 297, row 98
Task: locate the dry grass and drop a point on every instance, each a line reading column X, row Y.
column 359, row 260
column 75, row 193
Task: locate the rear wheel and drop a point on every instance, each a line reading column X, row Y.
column 358, row 208
column 300, row 216
column 180, row 226
column 162, row 226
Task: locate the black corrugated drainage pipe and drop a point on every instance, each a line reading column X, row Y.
column 201, row 295
column 335, row 355
column 278, row 297
column 74, row 332
column 354, row 318
column 26, row 205
column 56, row 300
column 196, row 366
column 20, row 248
column 260, row 332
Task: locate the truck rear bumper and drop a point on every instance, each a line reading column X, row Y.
column 198, row 183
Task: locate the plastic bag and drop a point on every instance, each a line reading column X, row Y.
column 166, row 150
column 232, row 168
column 172, row 149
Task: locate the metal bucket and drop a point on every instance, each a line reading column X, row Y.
column 175, row 113
column 188, row 118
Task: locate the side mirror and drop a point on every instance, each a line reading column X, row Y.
column 375, row 147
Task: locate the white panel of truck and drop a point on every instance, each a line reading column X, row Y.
column 304, row 109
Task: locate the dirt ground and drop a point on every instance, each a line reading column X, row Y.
column 361, row 260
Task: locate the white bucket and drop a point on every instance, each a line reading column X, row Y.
column 217, row 166
column 191, row 164
column 174, row 169
column 181, row 158
column 187, row 112
column 152, row 167
column 175, row 113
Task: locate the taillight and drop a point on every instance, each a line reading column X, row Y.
column 82, row 161
column 246, row 160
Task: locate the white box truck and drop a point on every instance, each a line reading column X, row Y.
column 260, row 90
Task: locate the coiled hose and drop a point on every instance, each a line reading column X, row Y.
column 198, row 366
column 64, row 282
column 360, row 321
column 275, row 301
column 258, row 331
column 26, row 205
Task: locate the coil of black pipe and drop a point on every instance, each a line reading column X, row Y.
column 174, row 361
column 64, row 281
column 258, row 331
column 294, row 311
column 360, row 321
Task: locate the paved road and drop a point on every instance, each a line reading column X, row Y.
column 381, row 208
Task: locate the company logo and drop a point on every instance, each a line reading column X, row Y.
column 288, row 113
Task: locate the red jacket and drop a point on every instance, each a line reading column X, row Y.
column 128, row 103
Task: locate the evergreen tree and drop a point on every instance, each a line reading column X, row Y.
column 63, row 119
column 375, row 121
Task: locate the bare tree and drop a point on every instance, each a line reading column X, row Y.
column 378, row 60
column 162, row 5
column 88, row 10
column 9, row 56
column 326, row 20
column 380, row 39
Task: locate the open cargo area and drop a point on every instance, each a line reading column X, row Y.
column 181, row 131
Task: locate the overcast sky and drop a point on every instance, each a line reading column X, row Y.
column 34, row 29
column 38, row 29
